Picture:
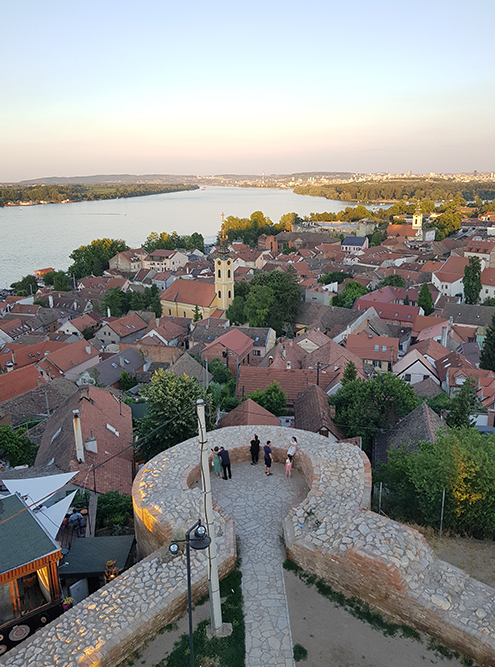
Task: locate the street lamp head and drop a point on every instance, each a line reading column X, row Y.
column 174, row 548
column 200, row 531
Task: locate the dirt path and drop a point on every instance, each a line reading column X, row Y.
column 334, row 638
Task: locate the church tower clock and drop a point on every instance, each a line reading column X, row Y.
column 224, row 272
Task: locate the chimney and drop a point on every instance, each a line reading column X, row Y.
column 13, row 357
column 10, row 366
column 157, row 321
column 88, row 349
column 50, row 301
column 78, row 436
column 443, row 340
column 108, row 312
column 283, row 351
column 289, row 365
column 121, row 361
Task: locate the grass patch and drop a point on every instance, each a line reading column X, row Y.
column 300, row 653
column 220, row 652
column 360, row 609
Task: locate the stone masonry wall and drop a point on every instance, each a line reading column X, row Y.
column 331, row 533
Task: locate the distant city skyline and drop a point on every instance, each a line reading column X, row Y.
column 210, row 88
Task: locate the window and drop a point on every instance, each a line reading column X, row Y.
column 184, row 314
column 230, row 293
column 425, row 377
column 384, row 348
column 407, row 377
column 219, row 294
column 228, row 273
column 169, row 312
column 377, row 347
column 256, row 353
column 219, row 273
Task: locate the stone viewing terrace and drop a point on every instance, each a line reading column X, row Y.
column 328, row 530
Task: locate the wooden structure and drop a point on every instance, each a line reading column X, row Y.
column 29, row 583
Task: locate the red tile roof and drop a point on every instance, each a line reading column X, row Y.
column 249, row 413
column 127, row 325
column 19, row 382
column 69, row 356
column 376, row 348
column 234, row 340
column 191, row 292
column 293, row 382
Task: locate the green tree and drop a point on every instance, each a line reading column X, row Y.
column 363, row 407
column 334, row 277
column 18, row 449
column 155, row 304
column 284, row 308
column 487, row 355
column 273, row 399
column 236, row 312
column 352, row 291
column 27, row 285
column 472, row 280
column 376, row 238
column 489, row 302
column 127, row 382
column 61, row 282
column 117, row 301
column 197, row 242
column 394, row 280
column 88, row 333
column 463, row 405
column 463, row 462
column 349, row 374
column 171, row 401
column 221, row 374
column 94, row 258
column 258, row 304
column 425, row 300
column 114, row 508
column 197, row 314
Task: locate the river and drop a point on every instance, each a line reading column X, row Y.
column 36, row 237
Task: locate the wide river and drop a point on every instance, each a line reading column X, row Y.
column 36, row 237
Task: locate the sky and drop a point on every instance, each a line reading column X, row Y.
column 107, row 87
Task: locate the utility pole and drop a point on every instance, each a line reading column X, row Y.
column 213, row 582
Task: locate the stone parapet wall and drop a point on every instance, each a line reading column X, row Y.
column 331, row 533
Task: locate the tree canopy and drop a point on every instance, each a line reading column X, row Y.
column 273, row 399
column 425, row 300
column 268, row 300
column 94, row 258
column 472, row 280
column 26, row 286
column 170, row 400
column 19, row 450
column 166, row 241
column 352, row 291
column 394, row 280
column 463, row 462
column 463, row 405
column 487, row 355
column 363, row 407
column 334, row 277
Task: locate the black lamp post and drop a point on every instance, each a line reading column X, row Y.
column 199, row 540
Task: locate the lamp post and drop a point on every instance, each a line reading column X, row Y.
column 199, row 540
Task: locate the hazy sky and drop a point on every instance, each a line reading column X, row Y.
column 102, row 87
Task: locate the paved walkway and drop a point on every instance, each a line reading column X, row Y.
column 258, row 504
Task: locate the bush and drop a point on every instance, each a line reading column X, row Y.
column 114, row 508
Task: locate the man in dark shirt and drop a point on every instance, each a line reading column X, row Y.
column 255, row 450
column 268, row 458
column 225, row 459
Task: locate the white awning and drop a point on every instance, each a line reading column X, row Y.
column 36, row 489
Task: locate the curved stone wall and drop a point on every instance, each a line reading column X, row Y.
column 331, row 533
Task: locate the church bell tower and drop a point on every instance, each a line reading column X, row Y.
column 224, row 272
column 417, row 223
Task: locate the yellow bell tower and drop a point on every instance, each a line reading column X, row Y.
column 417, row 223
column 224, row 272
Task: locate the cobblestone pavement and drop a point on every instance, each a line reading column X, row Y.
column 258, row 504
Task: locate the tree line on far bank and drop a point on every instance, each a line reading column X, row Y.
column 75, row 193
